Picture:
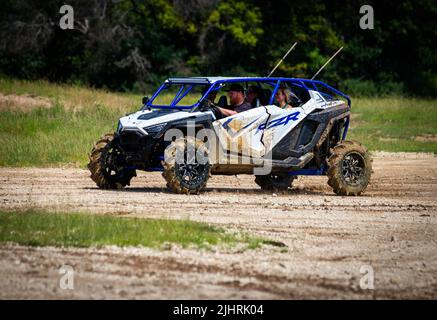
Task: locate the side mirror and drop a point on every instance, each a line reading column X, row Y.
column 145, row 100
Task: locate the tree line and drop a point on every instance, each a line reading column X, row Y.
column 132, row 45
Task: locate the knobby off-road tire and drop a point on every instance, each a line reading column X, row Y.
column 349, row 168
column 274, row 182
column 104, row 172
column 181, row 176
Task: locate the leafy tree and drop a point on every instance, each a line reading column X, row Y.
column 134, row 44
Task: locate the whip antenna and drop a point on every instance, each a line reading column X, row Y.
column 283, row 58
column 317, row 73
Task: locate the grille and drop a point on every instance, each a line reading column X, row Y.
column 131, row 141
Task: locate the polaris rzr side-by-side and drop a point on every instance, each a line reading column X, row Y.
column 275, row 145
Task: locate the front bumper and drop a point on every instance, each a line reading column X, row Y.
column 138, row 148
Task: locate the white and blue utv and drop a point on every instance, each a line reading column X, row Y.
column 273, row 144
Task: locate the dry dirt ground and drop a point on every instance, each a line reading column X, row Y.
column 392, row 228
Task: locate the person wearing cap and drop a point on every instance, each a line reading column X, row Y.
column 237, row 101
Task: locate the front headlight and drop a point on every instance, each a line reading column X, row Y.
column 156, row 129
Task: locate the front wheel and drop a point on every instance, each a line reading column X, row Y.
column 349, row 168
column 186, row 166
column 104, row 165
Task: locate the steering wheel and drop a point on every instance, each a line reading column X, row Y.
column 207, row 105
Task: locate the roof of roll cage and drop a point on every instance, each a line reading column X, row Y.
column 308, row 84
column 210, row 80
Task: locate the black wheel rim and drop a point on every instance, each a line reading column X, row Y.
column 352, row 168
column 191, row 173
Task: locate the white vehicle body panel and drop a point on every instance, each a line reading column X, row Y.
column 133, row 121
column 255, row 132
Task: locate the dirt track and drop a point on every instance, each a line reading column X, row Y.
column 393, row 228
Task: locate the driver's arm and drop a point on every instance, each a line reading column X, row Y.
column 227, row 112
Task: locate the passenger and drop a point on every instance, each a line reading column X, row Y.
column 252, row 96
column 282, row 97
column 237, row 101
column 286, row 99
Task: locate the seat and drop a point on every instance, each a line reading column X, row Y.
column 294, row 100
column 264, row 97
column 223, row 102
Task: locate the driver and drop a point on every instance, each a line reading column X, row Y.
column 237, row 101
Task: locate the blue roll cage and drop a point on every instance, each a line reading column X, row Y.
column 216, row 84
column 187, row 84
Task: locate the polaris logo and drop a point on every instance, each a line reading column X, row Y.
column 279, row 122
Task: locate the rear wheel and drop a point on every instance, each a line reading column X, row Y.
column 350, row 168
column 104, row 167
column 274, row 182
column 183, row 170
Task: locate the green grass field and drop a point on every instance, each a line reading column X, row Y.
column 395, row 124
column 37, row 228
column 64, row 134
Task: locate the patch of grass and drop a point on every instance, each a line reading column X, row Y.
column 36, row 228
column 393, row 124
column 46, row 137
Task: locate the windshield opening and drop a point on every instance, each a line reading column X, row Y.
column 179, row 95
